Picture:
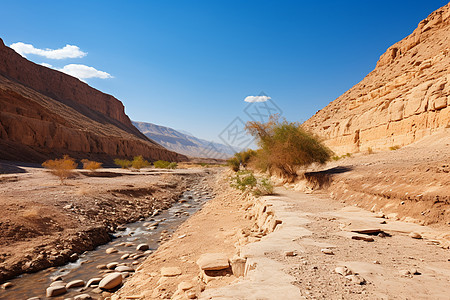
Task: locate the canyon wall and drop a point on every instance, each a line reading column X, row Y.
column 403, row 100
column 45, row 113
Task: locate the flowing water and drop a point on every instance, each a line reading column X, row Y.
column 85, row 268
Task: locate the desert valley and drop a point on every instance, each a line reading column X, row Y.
column 96, row 206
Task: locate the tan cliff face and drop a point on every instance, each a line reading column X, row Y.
column 45, row 113
column 404, row 99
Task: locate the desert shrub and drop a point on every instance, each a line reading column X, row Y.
column 162, row 164
column 139, row 162
column 241, row 159
column 91, row 165
column 123, row 163
column 286, row 146
column 247, row 182
column 172, row 165
column 396, row 147
column 61, row 167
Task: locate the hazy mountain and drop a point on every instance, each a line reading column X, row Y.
column 184, row 142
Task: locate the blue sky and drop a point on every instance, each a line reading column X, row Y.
column 190, row 64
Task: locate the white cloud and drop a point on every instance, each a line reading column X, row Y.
column 81, row 72
column 68, row 51
column 84, row 72
column 253, row 99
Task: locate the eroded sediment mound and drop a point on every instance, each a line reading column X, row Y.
column 46, row 113
column 404, row 99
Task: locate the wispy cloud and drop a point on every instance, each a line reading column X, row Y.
column 81, row 72
column 253, row 99
column 68, row 51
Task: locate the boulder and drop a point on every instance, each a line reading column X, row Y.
column 111, row 281
column 75, row 283
column 213, row 261
column 54, row 291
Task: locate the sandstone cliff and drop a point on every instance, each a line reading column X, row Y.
column 404, row 99
column 45, row 113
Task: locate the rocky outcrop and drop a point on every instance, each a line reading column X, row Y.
column 45, row 113
column 404, row 99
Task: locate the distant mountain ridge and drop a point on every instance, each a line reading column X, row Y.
column 184, row 142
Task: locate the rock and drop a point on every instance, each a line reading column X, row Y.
column 184, row 286
column 213, row 261
column 344, row 271
column 367, row 230
column 93, row 281
column 101, row 267
column 111, row 281
column 58, row 283
column 83, row 297
column 170, row 271
column 356, row 279
column 54, row 291
column 290, row 253
column 111, row 250
column 125, row 256
column 142, row 247
column 7, row 285
column 124, row 269
column 34, row 298
column 405, row 272
column 363, row 238
column 414, row 272
column 57, row 278
column 112, row 265
column 75, row 283
column 73, row 257
column 238, row 265
column 191, row 295
column 415, row 235
column 327, row 251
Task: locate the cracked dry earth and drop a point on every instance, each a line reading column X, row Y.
column 390, row 265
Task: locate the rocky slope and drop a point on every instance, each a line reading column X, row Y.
column 184, row 143
column 45, row 113
column 404, row 99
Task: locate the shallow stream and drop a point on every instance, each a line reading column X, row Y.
column 126, row 241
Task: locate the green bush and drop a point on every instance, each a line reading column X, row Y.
column 241, row 159
column 162, row 164
column 247, row 182
column 286, row 146
column 139, row 162
column 123, row 163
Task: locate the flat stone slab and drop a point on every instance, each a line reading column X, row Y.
column 213, row 261
column 170, row 271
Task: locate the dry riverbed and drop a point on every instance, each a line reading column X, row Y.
column 44, row 223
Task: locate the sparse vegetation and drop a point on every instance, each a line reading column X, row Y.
column 285, row 147
column 246, row 181
column 241, row 159
column 396, row 147
column 62, row 167
column 123, row 163
column 162, row 164
column 139, row 162
column 91, row 165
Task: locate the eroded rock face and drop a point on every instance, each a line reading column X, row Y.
column 45, row 113
column 404, row 99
